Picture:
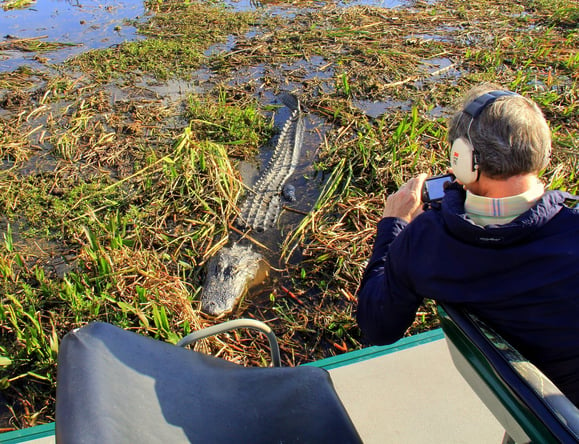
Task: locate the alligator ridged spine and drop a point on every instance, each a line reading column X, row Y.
column 263, row 204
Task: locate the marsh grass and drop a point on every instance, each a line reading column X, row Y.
column 241, row 127
column 112, row 206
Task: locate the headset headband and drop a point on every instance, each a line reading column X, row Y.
column 477, row 106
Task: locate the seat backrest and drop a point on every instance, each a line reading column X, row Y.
column 115, row 386
column 527, row 404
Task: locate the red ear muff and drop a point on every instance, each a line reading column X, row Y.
column 462, row 161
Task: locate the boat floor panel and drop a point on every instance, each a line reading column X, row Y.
column 414, row 396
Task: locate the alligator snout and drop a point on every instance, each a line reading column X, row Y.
column 229, row 274
column 212, row 308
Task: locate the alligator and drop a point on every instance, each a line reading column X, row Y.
column 235, row 268
column 261, row 209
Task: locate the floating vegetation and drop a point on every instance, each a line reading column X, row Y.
column 242, row 128
column 113, row 195
column 34, row 44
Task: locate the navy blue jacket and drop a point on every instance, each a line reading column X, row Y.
column 522, row 278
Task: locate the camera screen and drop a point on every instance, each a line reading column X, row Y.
column 434, row 187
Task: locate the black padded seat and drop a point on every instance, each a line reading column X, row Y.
column 115, row 386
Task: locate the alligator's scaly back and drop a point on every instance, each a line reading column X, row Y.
column 263, row 204
column 232, row 270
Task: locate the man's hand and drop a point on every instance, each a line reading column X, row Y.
column 406, row 203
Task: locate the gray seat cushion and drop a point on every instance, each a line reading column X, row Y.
column 116, row 386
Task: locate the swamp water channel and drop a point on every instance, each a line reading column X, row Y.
column 129, row 132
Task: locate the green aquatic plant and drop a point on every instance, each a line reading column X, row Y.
column 242, row 127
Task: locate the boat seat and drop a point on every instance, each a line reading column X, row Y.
column 116, row 386
column 526, row 403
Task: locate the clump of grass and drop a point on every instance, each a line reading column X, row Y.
column 13, row 144
column 32, row 44
column 20, row 79
column 142, row 56
column 560, row 13
column 242, row 128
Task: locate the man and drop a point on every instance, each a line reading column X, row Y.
column 497, row 244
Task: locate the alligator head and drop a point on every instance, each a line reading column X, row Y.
column 230, row 273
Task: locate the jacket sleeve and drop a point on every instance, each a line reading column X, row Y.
column 386, row 304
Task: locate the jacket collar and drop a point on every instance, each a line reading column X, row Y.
column 459, row 224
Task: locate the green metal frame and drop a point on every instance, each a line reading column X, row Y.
column 29, row 434
column 378, row 350
column 491, row 372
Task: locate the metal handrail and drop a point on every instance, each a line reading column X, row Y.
column 235, row 325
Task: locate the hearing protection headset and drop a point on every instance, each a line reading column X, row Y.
column 464, row 158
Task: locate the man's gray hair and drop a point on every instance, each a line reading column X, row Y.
column 511, row 135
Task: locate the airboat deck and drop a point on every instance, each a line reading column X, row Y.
column 406, row 392
column 411, row 392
